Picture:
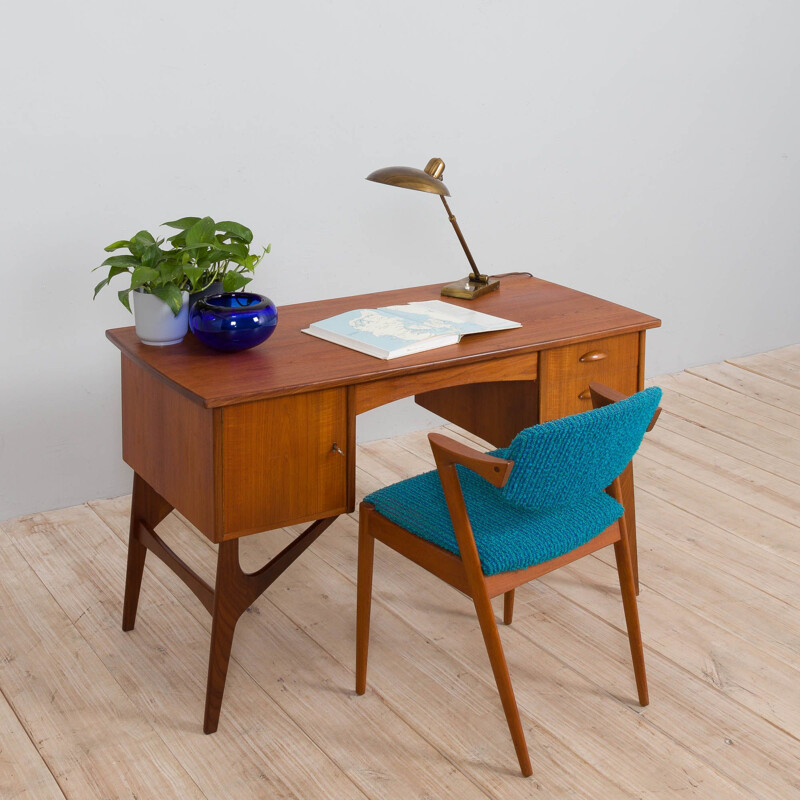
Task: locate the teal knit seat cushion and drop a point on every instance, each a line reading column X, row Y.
column 507, row 536
column 554, row 500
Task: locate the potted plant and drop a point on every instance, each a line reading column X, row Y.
column 205, row 257
column 219, row 252
column 159, row 283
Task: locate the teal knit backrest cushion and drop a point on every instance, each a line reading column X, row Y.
column 559, row 462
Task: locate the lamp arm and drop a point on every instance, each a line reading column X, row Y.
column 476, row 273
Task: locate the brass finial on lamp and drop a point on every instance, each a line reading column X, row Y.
column 430, row 180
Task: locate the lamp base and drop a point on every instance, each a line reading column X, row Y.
column 469, row 288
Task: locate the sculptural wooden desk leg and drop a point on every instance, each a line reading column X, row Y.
column 234, row 591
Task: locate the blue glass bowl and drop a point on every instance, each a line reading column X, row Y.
column 233, row 320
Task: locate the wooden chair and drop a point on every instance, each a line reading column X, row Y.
column 487, row 523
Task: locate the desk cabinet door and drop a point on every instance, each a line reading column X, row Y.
column 281, row 461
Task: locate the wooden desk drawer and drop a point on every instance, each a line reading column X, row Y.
column 591, row 361
column 280, row 463
column 565, row 373
column 562, row 398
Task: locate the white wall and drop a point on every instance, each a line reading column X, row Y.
column 642, row 151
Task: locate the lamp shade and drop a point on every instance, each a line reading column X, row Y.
column 430, row 180
column 409, row 178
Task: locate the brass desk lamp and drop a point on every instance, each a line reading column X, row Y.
column 430, row 180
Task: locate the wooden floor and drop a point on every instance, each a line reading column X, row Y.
column 87, row 711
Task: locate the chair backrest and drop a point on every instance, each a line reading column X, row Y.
column 559, row 462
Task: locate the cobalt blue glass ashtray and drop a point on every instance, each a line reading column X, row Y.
column 233, row 320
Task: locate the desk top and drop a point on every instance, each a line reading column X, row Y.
column 291, row 362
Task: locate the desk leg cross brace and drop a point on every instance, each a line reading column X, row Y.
column 234, row 592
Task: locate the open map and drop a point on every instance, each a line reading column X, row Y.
column 400, row 330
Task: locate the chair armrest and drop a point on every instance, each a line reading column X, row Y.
column 603, row 395
column 446, row 451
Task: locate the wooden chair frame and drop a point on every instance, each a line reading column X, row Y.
column 465, row 573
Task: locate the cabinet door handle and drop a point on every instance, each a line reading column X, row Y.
column 593, row 355
column 585, row 395
column 337, row 449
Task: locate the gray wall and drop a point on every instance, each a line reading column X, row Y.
column 645, row 152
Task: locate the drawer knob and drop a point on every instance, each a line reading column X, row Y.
column 593, row 355
column 585, row 395
column 337, row 449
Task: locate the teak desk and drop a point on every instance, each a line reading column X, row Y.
column 252, row 441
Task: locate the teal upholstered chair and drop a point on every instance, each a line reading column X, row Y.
column 487, row 523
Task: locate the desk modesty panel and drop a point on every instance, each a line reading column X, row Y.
column 251, row 441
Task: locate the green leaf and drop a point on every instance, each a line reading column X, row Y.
column 268, row 248
column 213, row 260
column 235, row 229
column 202, row 232
column 183, row 223
column 143, row 275
column 171, row 295
column 139, row 243
column 232, row 248
column 128, row 262
column 214, row 256
column 194, row 274
column 117, row 245
column 170, row 272
column 124, row 299
column 191, row 247
column 233, row 281
column 152, row 256
column 112, row 273
column 144, row 237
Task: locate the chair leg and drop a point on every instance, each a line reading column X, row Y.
column 628, row 588
column 628, row 501
column 508, row 607
column 494, row 648
column 366, row 552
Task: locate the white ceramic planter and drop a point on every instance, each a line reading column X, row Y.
column 155, row 323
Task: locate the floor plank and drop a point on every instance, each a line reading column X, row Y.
column 696, row 538
column 23, row 772
column 161, row 666
column 733, row 403
column 783, row 445
column 750, row 384
column 774, row 368
column 790, row 354
column 742, row 671
column 89, row 733
column 718, row 508
column 724, row 443
column 766, row 491
column 734, row 740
